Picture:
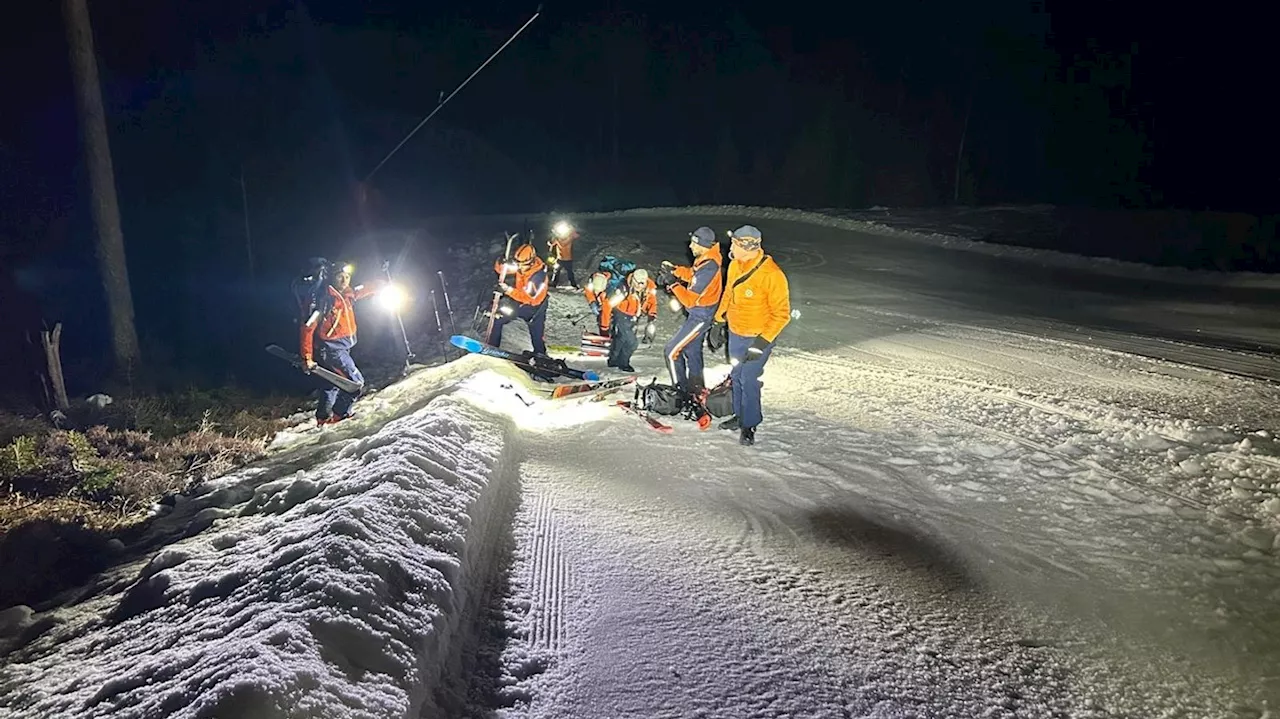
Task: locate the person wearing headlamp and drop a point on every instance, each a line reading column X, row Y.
column 524, row 289
column 563, row 235
column 754, row 308
column 332, row 319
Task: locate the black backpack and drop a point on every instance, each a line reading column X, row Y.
column 660, row 398
column 719, row 400
column 309, row 288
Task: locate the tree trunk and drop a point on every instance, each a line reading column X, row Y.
column 102, row 189
column 57, row 386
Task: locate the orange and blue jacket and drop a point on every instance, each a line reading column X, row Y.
column 562, row 247
column 704, row 281
column 337, row 324
column 527, row 287
column 631, row 303
column 759, row 306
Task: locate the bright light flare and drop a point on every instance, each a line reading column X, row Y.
column 562, row 229
column 674, row 304
column 392, row 298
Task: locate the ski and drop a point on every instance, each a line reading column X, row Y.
column 529, row 362
column 329, row 376
column 570, row 390
column 629, row 407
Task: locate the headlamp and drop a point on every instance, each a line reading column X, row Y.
column 562, row 229
column 392, row 298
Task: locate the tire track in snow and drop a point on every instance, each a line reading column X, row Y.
column 550, row 577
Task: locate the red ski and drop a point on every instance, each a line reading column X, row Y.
column 664, row 428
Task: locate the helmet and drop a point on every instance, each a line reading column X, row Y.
column 599, row 281
column 640, row 278
column 525, row 254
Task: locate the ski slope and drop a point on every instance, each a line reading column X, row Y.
column 987, row 485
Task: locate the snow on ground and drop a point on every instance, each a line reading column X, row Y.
column 338, row 584
column 945, row 516
column 905, row 228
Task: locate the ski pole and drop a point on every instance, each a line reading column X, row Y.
column 448, row 306
column 435, row 307
column 408, row 351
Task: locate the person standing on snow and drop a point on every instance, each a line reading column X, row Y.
column 754, row 308
column 697, row 288
column 560, row 245
column 619, row 312
column 524, row 297
column 331, row 316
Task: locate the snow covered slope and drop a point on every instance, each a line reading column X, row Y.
column 981, row 489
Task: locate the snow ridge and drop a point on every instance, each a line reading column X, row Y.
column 342, row 591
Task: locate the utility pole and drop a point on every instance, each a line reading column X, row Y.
column 109, row 241
column 248, row 238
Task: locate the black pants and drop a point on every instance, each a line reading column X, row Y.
column 535, row 316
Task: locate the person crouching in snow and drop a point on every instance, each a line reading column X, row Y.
column 756, row 305
column 332, row 319
column 525, row 286
column 618, row 314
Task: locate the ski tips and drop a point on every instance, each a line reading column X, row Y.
column 466, row 343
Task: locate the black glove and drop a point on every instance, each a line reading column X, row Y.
column 666, row 278
column 717, row 336
column 757, row 348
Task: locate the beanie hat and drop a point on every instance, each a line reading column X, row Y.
column 704, row 236
column 747, row 236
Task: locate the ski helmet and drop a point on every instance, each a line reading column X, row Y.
column 525, row 254
column 599, row 281
column 639, row 279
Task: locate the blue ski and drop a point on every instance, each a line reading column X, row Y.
column 529, row 362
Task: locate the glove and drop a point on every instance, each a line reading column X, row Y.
column 502, row 287
column 718, row 335
column 757, row 348
column 668, row 265
column 308, row 365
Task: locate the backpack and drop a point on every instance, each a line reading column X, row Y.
column 309, row 288
column 660, row 398
column 618, row 270
column 719, row 401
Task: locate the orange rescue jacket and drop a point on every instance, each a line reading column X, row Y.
column 338, row 322
column 630, row 304
column 704, row 283
column 759, row 306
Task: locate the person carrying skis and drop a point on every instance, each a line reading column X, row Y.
column 329, row 314
column 697, row 288
column 619, row 312
column 525, row 297
column 753, row 309
column 560, row 246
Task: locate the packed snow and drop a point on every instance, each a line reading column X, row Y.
column 949, row 513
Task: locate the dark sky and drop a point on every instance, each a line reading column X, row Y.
column 599, row 105
column 1194, row 97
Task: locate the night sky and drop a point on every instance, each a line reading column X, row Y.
column 612, row 104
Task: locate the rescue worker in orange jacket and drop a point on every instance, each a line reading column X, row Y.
column 754, row 308
column 618, row 315
column 523, row 283
column 333, row 320
column 697, row 289
column 560, row 246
